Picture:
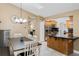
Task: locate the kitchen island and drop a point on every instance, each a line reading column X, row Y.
column 63, row 44
column 16, row 45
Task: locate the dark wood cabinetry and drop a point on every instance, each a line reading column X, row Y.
column 63, row 45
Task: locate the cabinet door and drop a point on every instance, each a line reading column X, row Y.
column 49, row 42
column 53, row 43
column 56, row 40
column 62, row 45
column 70, row 47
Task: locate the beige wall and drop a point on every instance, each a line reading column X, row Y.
column 75, row 15
column 6, row 12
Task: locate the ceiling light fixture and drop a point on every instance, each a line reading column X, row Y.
column 19, row 20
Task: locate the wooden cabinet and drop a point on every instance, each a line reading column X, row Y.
column 63, row 45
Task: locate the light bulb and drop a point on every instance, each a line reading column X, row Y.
column 20, row 19
column 17, row 20
column 24, row 21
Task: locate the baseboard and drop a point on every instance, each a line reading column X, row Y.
column 76, row 51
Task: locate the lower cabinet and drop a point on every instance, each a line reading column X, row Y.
column 64, row 46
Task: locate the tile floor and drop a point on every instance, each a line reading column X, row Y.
column 4, row 52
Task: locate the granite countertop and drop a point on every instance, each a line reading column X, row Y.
column 18, row 43
column 64, row 37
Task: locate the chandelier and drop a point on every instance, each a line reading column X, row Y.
column 19, row 20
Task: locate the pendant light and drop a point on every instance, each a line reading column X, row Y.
column 22, row 20
column 19, row 20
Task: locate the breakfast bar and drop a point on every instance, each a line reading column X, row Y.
column 63, row 44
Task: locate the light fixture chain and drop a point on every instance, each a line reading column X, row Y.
column 21, row 10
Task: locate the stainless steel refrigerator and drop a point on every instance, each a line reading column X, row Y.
column 4, row 35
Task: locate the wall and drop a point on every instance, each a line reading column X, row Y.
column 42, row 31
column 75, row 15
column 6, row 12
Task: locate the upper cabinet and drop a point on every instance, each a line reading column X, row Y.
column 69, row 23
column 50, row 23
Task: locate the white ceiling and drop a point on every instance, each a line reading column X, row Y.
column 48, row 9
